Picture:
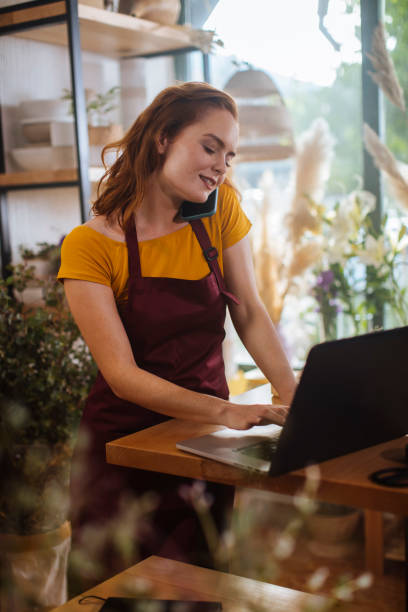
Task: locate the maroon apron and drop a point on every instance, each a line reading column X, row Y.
column 176, row 329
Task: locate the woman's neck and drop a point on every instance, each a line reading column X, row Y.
column 157, row 214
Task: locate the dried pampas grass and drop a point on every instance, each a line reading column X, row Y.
column 286, row 248
column 268, row 270
column 384, row 160
column 314, row 155
column 268, row 261
column 384, row 72
column 313, row 159
column 304, row 257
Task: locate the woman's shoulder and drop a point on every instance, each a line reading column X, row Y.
column 228, row 195
column 94, row 232
column 106, row 228
column 231, row 219
column 88, row 254
column 228, row 203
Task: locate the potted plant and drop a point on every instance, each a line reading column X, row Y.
column 332, row 528
column 45, row 375
column 44, row 379
column 45, row 259
column 99, row 106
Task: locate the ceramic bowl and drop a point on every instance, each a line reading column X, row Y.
column 44, row 158
column 62, row 133
column 58, row 132
column 36, row 131
column 165, row 12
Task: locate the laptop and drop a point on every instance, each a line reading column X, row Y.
column 353, row 393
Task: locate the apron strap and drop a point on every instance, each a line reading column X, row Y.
column 211, row 255
column 135, row 270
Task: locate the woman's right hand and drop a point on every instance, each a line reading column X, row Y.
column 244, row 416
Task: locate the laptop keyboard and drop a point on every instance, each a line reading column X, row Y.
column 265, row 449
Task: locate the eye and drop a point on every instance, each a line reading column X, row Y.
column 208, row 150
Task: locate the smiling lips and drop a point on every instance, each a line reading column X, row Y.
column 209, row 182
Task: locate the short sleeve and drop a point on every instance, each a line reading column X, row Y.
column 84, row 257
column 234, row 222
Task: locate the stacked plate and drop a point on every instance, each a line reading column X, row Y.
column 48, row 128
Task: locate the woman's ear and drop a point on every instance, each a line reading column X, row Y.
column 161, row 143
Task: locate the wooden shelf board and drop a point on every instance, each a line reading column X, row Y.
column 32, row 13
column 19, row 179
column 114, row 34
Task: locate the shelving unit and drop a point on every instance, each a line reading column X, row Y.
column 81, row 28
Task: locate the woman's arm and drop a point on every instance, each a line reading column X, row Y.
column 94, row 310
column 252, row 321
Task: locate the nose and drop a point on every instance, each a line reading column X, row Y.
column 220, row 164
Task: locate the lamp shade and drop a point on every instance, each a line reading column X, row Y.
column 251, row 84
column 266, row 130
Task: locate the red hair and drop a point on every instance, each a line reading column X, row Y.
column 122, row 188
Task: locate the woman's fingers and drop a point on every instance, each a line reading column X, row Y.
column 245, row 416
column 276, row 415
column 273, row 415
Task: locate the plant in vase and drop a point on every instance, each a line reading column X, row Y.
column 361, row 269
column 98, row 105
column 368, row 263
column 46, row 371
column 45, row 259
column 102, row 129
column 44, row 379
column 332, row 528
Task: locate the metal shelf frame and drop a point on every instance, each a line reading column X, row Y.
column 70, row 18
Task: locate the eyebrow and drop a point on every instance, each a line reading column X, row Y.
column 221, row 143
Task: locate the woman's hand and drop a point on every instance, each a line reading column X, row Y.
column 244, row 416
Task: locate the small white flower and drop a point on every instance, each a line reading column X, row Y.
column 364, row 581
column 313, row 477
column 343, row 592
column 318, row 578
column 228, row 539
column 284, row 547
column 305, row 504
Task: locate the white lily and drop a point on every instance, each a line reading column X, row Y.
column 337, row 250
column 373, row 253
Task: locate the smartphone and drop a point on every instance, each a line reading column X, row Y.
column 197, row 210
column 124, row 604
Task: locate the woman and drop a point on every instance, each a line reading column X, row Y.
column 149, row 293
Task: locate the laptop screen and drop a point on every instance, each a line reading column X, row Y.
column 353, row 393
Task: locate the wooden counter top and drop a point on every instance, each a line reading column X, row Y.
column 344, row 480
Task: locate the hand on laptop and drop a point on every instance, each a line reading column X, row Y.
column 244, row 416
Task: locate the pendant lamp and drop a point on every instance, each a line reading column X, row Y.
column 266, row 130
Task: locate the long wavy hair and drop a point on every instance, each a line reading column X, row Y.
column 122, row 187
